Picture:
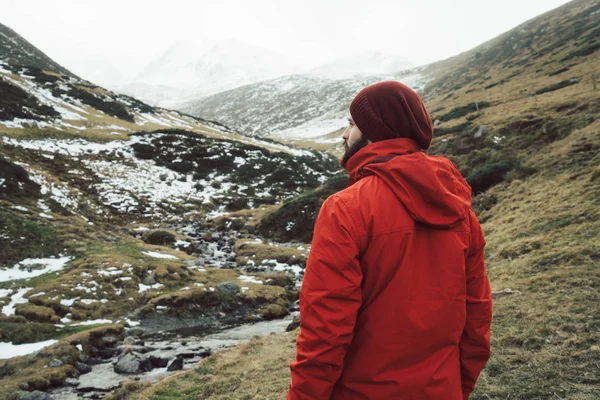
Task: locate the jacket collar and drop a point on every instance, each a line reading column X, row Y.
column 376, row 153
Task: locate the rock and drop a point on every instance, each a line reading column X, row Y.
column 176, row 364
column 56, row 363
column 437, row 122
column 295, row 306
column 228, row 289
column 149, row 280
column 82, row 368
column 71, row 382
column 132, row 364
column 205, row 353
column 134, row 348
column 108, row 341
column 159, row 362
column 24, row 386
column 36, row 395
column 273, row 311
column 482, row 130
column 207, row 236
column 133, row 341
column 137, row 332
column 293, row 325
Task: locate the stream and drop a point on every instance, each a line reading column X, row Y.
column 172, row 344
column 173, row 340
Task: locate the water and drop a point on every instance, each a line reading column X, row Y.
column 102, row 380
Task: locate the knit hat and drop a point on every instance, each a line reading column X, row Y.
column 389, row 110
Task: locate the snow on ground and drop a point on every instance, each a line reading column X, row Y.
column 15, row 299
column 142, row 288
column 9, row 350
column 160, row 255
column 32, row 267
column 93, row 322
column 250, row 279
column 283, row 267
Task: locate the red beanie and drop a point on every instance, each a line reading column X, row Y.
column 389, row 110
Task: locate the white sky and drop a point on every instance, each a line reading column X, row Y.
column 120, row 37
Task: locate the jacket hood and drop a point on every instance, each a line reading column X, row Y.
column 430, row 188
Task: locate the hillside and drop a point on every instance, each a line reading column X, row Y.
column 295, row 108
column 531, row 154
column 110, row 230
column 15, row 50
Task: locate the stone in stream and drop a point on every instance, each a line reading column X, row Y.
column 159, row 362
column 176, row 364
column 82, row 368
column 36, row 395
column 71, row 382
column 133, row 364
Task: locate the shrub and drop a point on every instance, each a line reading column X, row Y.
column 295, row 219
column 459, row 112
column 161, row 238
column 490, row 174
column 557, row 86
column 106, row 105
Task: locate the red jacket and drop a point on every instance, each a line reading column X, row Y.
column 395, row 302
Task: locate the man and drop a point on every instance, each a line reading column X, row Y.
column 395, row 302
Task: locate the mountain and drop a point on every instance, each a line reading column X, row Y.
column 191, row 70
column 365, row 63
column 296, row 107
column 15, row 50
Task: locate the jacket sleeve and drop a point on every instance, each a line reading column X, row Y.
column 329, row 301
column 475, row 340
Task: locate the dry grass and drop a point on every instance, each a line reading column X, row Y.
column 251, row 251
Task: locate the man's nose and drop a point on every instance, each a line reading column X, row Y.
column 345, row 136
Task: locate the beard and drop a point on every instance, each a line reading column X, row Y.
column 349, row 151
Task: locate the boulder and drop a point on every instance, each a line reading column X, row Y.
column 132, row 364
column 293, row 325
column 159, row 362
column 176, row 364
column 149, row 280
column 82, row 368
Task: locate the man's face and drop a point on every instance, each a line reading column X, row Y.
column 354, row 140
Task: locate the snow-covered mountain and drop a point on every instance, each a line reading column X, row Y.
column 365, row 63
column 190, row 70
column 292, row 107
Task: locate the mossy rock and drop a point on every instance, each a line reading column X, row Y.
column 274, row 311
column 160, row 238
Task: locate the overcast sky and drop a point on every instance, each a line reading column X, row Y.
column 123, row 36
